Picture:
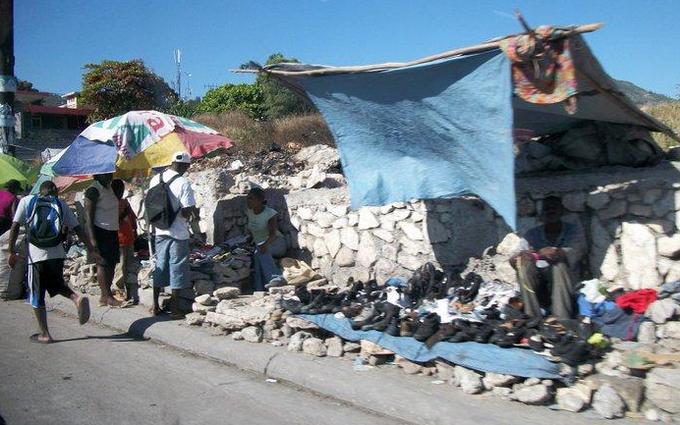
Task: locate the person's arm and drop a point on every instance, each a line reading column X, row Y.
column 11, row 245
column 272, row 228
column 82, row 235
column 91, row 198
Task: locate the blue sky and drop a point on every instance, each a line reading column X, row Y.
column 53, row 39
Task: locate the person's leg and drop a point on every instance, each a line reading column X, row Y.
column 120, row 273
column 529, row 283
column 36, row 298
column 179, row 274
column 278, row 248
column 131, row 287
column 161, row 273
column 562, row 291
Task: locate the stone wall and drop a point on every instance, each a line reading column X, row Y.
column 628, row 215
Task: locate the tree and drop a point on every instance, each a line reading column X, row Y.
column 25, row 86
column 183, row 108
column 113, row 88
column 244, row 97
column 279, row 101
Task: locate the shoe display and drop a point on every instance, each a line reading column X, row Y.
column 427, row 326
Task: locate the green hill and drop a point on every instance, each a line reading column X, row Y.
column 640, row 96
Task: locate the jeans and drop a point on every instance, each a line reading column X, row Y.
column 264, row 266
column 172, row 263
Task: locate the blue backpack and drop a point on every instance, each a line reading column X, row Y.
column 45, row 222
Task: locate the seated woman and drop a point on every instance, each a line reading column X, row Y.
column 270, row 243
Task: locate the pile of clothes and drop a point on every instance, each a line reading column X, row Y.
column 433, row 306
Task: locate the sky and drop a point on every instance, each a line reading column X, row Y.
column 55, row 38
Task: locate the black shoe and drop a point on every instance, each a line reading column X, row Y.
column 303, row 294
column 364, row 319
column 483, row 334
column 536, row 343
column 393, row 327
column 427, row 326
column 291, row 305
column 445, row 332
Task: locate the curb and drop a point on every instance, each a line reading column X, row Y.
column 385, row 391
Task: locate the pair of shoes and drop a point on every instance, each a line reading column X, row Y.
column 427, row 326
column 366, row 317
column 446, row 331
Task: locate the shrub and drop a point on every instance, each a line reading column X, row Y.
column 669, row 114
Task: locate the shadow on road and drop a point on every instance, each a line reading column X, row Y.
column 126, row 337
column 139, row 326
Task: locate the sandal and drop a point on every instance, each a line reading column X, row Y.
column 34, row 338
column 83, row 310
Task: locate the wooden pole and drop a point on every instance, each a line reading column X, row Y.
column 489, row 45
column 7, row 79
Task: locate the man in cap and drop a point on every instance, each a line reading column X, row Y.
column 172, row 244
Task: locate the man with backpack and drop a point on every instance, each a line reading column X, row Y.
column 48, row 220
column 170, row 207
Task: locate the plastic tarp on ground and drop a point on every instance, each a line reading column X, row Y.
column 438, row 130
column 472, row 355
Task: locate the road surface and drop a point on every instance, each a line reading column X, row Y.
column 94, row 375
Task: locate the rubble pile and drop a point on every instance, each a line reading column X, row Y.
column 627, row 378
column 225, row 267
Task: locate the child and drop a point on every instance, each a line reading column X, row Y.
column 126, row 239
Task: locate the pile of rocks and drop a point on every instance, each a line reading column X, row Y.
column 81, row 275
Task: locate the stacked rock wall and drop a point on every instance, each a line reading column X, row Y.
column 629, row 216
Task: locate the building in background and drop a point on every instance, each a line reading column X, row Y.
column 46, row 120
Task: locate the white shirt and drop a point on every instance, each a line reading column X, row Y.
column 36, row 254
column 181, row 196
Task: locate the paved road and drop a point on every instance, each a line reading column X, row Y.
column 94, row 375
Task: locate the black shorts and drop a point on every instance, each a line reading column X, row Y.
column 107, row 243
column 47, row 276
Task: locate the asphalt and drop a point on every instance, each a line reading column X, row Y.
column 95, row 375
column 385, row 392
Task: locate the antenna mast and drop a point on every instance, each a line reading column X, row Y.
column 178, row 65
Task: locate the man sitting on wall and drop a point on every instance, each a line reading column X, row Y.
column 546, row 271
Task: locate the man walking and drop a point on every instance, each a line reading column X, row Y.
column 48, row 219
column 101, row 210
column 172, row 238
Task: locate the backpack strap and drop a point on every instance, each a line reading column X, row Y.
column 31, row 209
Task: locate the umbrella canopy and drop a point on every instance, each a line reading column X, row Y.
column 12, row 168
column 134, row 143
column 63, row 183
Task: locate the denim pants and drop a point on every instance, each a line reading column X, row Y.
column 172, row 263
column 264, row 266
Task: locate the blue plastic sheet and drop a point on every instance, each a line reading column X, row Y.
column 432, row 131
column 472, row 355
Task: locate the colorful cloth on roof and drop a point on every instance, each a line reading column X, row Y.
column 542, row 68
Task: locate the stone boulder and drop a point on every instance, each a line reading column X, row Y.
column 533, row 394
column 194, row 319
column 663, row 389
column 226, row 293
column 325, row 157
column 334, row 347
column 314, row 346
column 607, row 403
column 297, row 339
column 493, row 380
column 252, row 334
column 469, row 380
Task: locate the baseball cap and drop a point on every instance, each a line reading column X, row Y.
column 182, row 157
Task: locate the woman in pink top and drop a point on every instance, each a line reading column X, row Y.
column 8, row 204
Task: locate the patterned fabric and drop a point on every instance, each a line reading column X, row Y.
column 542, row 68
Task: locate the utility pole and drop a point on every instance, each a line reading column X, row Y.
column 8, row 83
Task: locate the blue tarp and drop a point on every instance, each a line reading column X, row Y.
column 431, row 131
column 472, row 355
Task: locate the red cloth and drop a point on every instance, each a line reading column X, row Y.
column 127, row 224
column 638, row 301
column 199, row 144
column 7, row 199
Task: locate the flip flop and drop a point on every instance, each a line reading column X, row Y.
column 83, row 310
column 34, row 339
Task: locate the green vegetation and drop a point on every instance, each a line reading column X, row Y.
column 669, row 114
column 112, row 88
column 246, row 98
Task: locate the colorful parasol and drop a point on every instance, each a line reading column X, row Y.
column 63, row 183
column 12, row 168
column 135, row 143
